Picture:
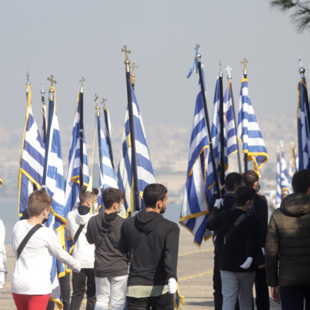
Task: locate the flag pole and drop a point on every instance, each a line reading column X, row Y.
column 132, row 139
column 293, row 155
column 204, row 99
column 43, row 112
column 222, row 126
column 229, row 77
column 280, row 166
column 81, row 102
column 133, row 76
column 245, row 62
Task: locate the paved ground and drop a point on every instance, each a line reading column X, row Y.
column 194, row 271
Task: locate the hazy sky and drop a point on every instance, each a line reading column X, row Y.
column 73, row 38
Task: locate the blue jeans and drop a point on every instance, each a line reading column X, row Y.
column 292, row 297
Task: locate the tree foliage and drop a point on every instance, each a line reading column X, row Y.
column 299, row 12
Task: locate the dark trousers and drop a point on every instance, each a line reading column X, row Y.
column 292, row 297
column 261, row 288
column 217, row 285
column 84, row 280
column 163, row 302
column 64, row 283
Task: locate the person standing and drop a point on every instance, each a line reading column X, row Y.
column 111, row 266
column 237, row 260
column 3, row 268
column 232, row 182
column 84, row 281
column 33, row 245
column 153, row 244
column 260, row 211
column 287, row 247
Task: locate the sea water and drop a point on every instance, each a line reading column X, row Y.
column 9, row 214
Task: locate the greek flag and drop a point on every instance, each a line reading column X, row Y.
column 106, row 173
column 108, row 134
column 54, row 182
column 284, row 177
column 278, row 188
column 216, row 141
column 302, row 126
column 32, row 158
column 72, row 186
column 230, row 128
column 144, row 164
column 248, row 130
column 195, row 210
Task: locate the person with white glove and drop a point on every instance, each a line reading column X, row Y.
column 237, row 261
column 218, row 203
column 172, row 286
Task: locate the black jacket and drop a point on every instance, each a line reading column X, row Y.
column 155, row 258
column 109, row 261
column 288, row 243
column 241, row 244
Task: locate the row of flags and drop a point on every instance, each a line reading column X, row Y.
column 208, row 154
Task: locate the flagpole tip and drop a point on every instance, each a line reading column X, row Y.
column 126, row 62
column 97, row 108
column 27, row 74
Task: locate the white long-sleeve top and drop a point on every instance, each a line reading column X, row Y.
column 82, row 251
column 3, row 269
column 31, row 274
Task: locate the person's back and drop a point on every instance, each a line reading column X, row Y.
column 288, row 244
column 153, row 244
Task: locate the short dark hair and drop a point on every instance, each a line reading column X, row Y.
column 250, row 177
column 112, row 195
column 38, row 201
column 233, row 180
column 153, row 193
column 84, row 195
column 243, row 194
column 301, row 181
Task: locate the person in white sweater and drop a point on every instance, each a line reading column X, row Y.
column 3, row 269
column 84, row 252
column 31, row 281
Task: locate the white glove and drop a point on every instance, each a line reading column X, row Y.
column 219, row 203
column 77, row 267
column 172, row 286
column 263, row 250
column 247, row 263
column 2, row 279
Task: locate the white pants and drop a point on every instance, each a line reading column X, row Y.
column 237, row 285
column 111, row 289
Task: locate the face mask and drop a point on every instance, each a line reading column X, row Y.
column 44, row 221
column 120, row 210
column 96, row 206
column 258, row 188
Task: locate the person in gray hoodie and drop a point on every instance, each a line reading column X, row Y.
column 111, row 266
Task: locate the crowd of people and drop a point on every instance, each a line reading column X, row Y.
column 132, row 263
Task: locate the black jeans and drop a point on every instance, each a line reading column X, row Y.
column 292, row 297
column 261, row 288
column 217, row 285
column 64, row 284
column 163, row 302
column 79, row 284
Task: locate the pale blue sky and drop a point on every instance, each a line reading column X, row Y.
column 73, row 38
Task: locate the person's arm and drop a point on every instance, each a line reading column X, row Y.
column 262, row 215
column 214, row 219
column 123, row 244
column 171, row 251
column 272, row 250
column 89, row 235
column 55, row 247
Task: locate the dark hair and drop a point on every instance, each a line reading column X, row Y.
column 153, row 193
column 38, row 201
column 250, row 177
column 233, row 180
column 243, row 194
column 301, row 181
column 112, row 195
column 84, row 195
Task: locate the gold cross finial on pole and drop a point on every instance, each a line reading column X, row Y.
column 97, row 108
column 244, row 63
column 133, row 67
column 132, row 78
column 127, row 62
column 228, row 69
column 103, row 102
column 27, row 74
column 52, row 81
column 81, row 81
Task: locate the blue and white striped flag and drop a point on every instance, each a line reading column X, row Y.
column 248, row 130
column 72, row 186
column 278, row 188
column 230, row 127
column 32, row 158
column 54, row 182
column 195, row 210
column 108, row 134
column 284, row 177
column 106, row 175
column 302, row 126
column 144, row 164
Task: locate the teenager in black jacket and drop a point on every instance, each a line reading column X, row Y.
column 153, row 244
column 236, row 262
